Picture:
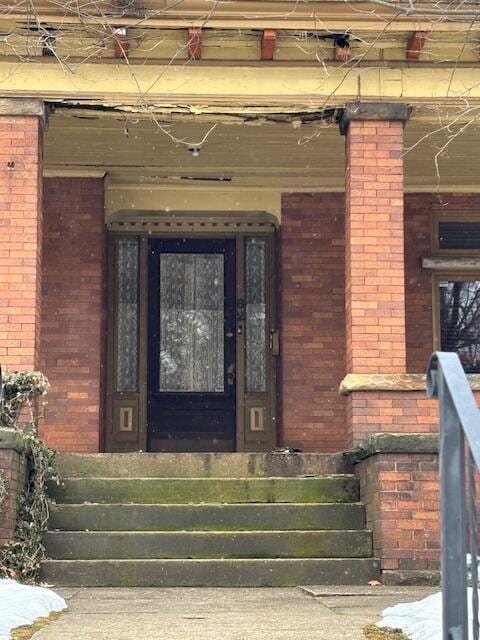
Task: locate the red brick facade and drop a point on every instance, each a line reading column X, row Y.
column 74, row 312
column 418, row 281
column 20, row 240
column 322, row 283
column 371, row 412
column 12, row 465
column 313, row 321
column 374, row 247
column 401, row 495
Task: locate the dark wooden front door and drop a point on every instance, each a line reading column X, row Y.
column 191, row 385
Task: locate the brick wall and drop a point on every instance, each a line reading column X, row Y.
column 370, row 412
column 410, row 411
column 313, row 321
column 12, row 464
column 401, row 495
column 312, row 310
column 74, row 312
column 313, row 335
column 20, row 240
column 374, row 247
column 418, row 230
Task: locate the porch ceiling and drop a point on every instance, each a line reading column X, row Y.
column 277, row 157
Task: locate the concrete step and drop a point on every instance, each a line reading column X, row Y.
column 209, row 573
column 206, row 517
column 336, row 488
column 200, row 465
column 101, row 545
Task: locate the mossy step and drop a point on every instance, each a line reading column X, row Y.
column 338, row 488
column 199, row 465
column 86, row 545
column 205, row 517
column 209, row 573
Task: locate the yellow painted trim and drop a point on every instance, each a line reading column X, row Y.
column 280, row 14
column 147, row 198
column 138, row 84
column 73, row 173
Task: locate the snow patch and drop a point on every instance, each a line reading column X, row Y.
column 21, row 604
column 421, row 620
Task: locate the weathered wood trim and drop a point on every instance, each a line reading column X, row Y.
column 451, row 264
column 415, row 44
column 206, row 222
column 74, row 173
column 451, row 216
column 264, row 14
column 392, row 382
column 293, row 84
column 269, row 39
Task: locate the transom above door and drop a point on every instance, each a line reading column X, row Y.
column 193, row 344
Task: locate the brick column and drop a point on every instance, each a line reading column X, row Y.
column 374, row 247
column 375, row 285
column 21, row 124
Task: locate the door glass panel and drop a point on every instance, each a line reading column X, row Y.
column 127, row 314
column 191, row 322
column 255, row 315
column 460, row 321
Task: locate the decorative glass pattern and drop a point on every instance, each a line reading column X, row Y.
column 127, row 314
column 255, row 313
column 191, row 322
column 460, row 321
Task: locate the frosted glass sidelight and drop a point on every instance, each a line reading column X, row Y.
column 255, row 315
column 127, row 314
column 191, row 322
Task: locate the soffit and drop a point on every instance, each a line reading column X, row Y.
column 248, row 156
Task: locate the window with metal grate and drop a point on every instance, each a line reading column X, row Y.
column 458, row 235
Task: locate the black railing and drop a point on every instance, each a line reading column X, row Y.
column 459, row 462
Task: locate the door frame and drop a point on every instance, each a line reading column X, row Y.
column 257, row 427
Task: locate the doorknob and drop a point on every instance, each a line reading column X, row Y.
column 231, row 374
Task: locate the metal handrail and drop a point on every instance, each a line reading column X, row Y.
column 459, row 449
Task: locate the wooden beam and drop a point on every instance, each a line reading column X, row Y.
column 195, row 43
column 269, row 40
column 341, row 49
column 121, row 43
column 138, row 83
column 236, row 14
column 415, row 44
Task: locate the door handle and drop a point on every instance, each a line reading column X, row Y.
column 231, row 374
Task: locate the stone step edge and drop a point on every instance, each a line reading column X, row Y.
column 229, row 505
column 219, row 560
column 322, row 476
column 229, row 532
column 259, row 464
column 259, row 572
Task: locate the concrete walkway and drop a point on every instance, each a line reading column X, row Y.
column 330, row 613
